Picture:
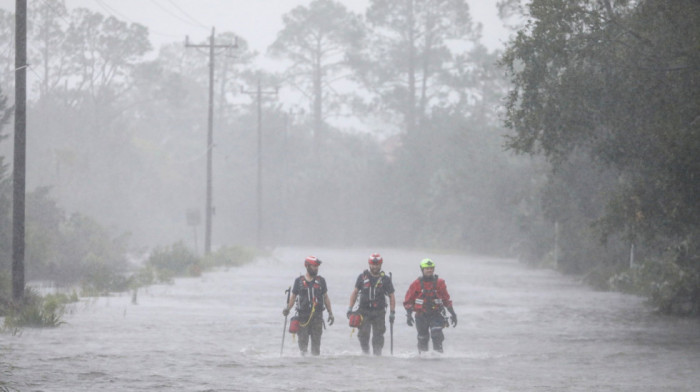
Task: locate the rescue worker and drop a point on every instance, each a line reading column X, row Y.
column 312, row 293
column 373, row 285
column 428, row 298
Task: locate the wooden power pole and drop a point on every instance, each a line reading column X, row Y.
column 20, row 148
column 210, row 136
column 259, row 93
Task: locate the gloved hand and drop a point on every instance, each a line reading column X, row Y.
column 392, row 317
column 285, row 312
column 453, row 317
column 331, row 319
column 348, row 313
column 409, row 319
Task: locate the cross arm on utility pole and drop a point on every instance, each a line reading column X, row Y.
column 211, row 44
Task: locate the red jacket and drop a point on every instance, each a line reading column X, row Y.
column 431, row 297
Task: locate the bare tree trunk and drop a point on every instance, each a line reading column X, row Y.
column 411, row 104
column 318, row 105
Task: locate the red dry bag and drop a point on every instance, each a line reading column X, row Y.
column 355, row 320
column 294, row 325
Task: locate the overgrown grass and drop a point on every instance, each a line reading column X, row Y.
column 36, row 311
column 5, row 388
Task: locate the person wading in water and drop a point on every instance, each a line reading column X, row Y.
column 373, row 286
column 312, row 294
column 428, row 298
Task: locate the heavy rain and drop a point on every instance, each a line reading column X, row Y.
column 182, row 182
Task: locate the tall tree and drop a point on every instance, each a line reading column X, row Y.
column 47, row 31
column 618, row 82
column 409, row 53
column 102, row 51
column 86, row 87
column 575, row 69
column 317, row 40
column 7, row 57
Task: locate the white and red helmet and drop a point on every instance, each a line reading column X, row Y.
column 312, row 260
column 376, row 259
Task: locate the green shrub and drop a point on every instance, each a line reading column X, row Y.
column 229, row 256
column 602, row 276
column 172, row 261
column 670, row 288
column 99, row 278
column 144, row 276
column 38, row 312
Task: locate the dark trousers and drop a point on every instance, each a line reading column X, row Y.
column 313, row 330
column 372, row 323
column 429, row 326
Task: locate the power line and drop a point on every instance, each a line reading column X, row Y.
column 157, row 4
column 56, row 11
column 112, row 11
column 186, row 14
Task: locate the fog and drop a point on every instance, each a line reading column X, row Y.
column 341, row 128
column 353, row 124
column 126, row 144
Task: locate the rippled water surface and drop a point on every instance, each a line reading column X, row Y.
column 519, row 329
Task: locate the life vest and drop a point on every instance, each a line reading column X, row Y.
column 310, row 296
column 372, row 295
column 428, row 299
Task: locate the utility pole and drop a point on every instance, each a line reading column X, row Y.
column 286, row 172
column 20, row 150
column 210, row 136
column 259, row 93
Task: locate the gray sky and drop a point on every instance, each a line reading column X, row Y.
column 257, row 21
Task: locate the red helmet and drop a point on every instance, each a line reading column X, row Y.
column 311, row 260
column 376, row 259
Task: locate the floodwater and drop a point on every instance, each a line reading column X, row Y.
column 520, row 329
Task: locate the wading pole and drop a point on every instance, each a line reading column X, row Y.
column 284, row 330
column 391, row 330
column 391, row 333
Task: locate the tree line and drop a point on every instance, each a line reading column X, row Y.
column 395, row 136
column 607, row 92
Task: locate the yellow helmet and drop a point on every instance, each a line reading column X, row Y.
column 427, row 263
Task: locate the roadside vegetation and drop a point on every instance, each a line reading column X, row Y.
column 81, row 258
column 576, row 146
column 163, row 265
column 607, row 93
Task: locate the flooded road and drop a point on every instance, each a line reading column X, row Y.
column 520, row 329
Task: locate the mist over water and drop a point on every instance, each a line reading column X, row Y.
column 519, row 329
